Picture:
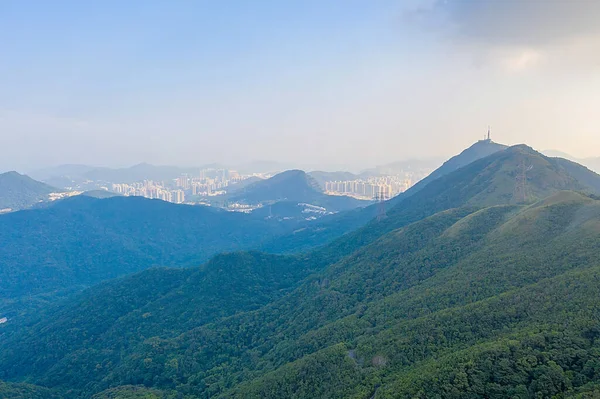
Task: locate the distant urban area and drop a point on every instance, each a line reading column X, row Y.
column 217, row 182
column 186, row 188
column 383, row 187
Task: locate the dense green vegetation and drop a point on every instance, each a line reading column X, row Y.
column 137, row 392
column 159, row 303
column 19, row 191
column 25, row 391
column 81, row 241
column 449, row 287
column 461, row 292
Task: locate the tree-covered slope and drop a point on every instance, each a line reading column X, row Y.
column 487, row 181
column 478, row 150
column 19, row 191
column 152, row 305
column 447, row 287
column 82, row 240
column 26, row 391
column 458, row 168
column 528, row 272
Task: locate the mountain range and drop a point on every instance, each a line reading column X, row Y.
column 83, row 240
column 69, row 176
column 471, row 286
column 77, row 242
column 591, row 162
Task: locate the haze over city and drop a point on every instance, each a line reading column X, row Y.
column 326, row 84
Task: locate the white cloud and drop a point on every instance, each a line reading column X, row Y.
column 519, row 35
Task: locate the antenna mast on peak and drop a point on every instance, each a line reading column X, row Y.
column 489, row 135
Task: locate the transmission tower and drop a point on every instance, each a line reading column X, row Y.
column 520, row 194
column 380, row 197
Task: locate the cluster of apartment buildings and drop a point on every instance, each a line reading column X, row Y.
column 370, row 188
column 209, row 182
column 150, row 189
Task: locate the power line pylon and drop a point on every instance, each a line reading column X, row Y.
column 520, row 194
column 380, row 197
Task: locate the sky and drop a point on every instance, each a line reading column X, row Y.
column 327, row 83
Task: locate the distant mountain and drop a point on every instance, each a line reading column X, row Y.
column 293, row 186
column 417, row 166
column 559, row 154
column 263, row 167
column 20, row 192
column 82, row 240
column 78, row 175
column 231, row 188
column 323, row 177
column 592, row 163
column 66, row 171
column 143, row 171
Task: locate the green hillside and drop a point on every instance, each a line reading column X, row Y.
column 487, row 181
column 82, row 240
column 454, row 285
column 19, row 191
column 480, row 149
column 25, row 391
column 333, row 227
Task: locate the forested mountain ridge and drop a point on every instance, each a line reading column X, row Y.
column 20, row 191
column 332, row 227
column 491, row 180
column 478, row 150
column 82, row 241
column 456, row 279
column 163, row 302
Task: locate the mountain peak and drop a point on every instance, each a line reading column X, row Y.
column 293, row 186
column 19, row 191
column 12, row 174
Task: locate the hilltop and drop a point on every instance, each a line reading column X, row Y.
column 19, row 191
column 478, row 150
column 293, row 186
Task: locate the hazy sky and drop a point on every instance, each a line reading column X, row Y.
column 315, row 82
